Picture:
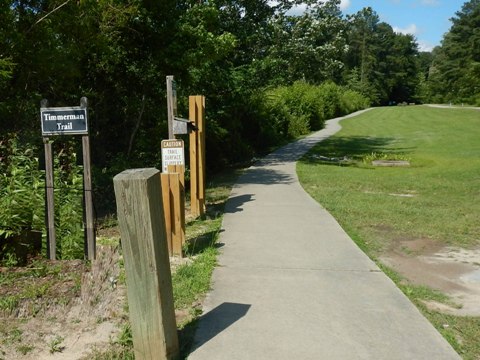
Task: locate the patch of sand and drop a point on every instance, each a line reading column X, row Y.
column 453, row 271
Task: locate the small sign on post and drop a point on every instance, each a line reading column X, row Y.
column 64, row 121
column 173, row 153
column 176, row 125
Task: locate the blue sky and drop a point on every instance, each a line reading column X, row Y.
column 427, row 20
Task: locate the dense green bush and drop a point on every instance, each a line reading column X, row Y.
column 21, row 189
column 68, row 183
column 300, row 108
column 22, row 196
column 351, row 101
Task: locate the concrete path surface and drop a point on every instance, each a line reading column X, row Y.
column 291, row 284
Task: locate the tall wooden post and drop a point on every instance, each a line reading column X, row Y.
column 170, row 105
column 149, row 283
column 197, row 155
column 200, row 101
column 87, row 192
column 49, row 195
column 49, row 186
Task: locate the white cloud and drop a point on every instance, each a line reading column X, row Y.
column 297, row 10
column 345, row 4
column 430, row 2
column 425, row 46
column 411, row 29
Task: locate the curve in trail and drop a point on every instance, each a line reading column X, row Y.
column 291, row 284
column 439, row 106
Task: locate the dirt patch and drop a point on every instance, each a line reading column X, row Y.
column 79, row 310
column 390, row 163
column 453, row 271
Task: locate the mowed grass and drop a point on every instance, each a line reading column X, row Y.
column 437, row 197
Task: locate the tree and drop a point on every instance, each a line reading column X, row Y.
column 380, row 63
column 456, row 65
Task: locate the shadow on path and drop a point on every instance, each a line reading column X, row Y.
column 265, row 176
column 234, row 204
column 218, row 319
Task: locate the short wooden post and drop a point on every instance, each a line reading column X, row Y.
column 180, row 169
column 167, row 209
column 149, row 282
column 177, row 191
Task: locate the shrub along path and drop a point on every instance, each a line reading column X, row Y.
column 291, row 284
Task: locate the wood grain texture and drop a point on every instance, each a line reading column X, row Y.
column 51, row 236
column 200, row 101
column 87, row 193
column 193, row 137
column 167, row 209
column 149, row 283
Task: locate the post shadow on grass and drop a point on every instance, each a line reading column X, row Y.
column 354, row 147
column 198, row 244
column 209, row 325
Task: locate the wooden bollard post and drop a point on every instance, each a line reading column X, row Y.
column 193, row 116
column 50, row 207
column 145, row 251
column 197, row 155
column 167, row 209
column 177, row 188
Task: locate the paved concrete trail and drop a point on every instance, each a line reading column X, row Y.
column 291, row 284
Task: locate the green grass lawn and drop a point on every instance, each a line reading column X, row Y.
column 437, row 197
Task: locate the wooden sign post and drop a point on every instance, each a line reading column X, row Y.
column 147, row 267
column 67, row 121
column 91, row 247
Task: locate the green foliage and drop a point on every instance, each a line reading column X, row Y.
column 6, row 69
column 351, row 101
column 125, row 336
column 368, row 158
column 9, row 259
column 301, row 107
column 9, row 303
column 22, row 196
column 55, row 344
column 193, row 279
column 68, row 182
column 24, row 349
column 455, row 69
column 380, row 63
column 21, row 188
column 118, row 53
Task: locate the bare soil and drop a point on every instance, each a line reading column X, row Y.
column 67, row 321
column 83, row 310
column 453, row 271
